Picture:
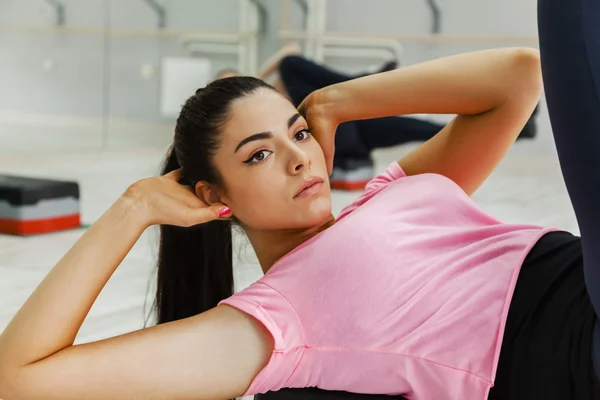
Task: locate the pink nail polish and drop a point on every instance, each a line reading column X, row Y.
column 224, row 212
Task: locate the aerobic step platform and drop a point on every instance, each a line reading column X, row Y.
column 30, row 206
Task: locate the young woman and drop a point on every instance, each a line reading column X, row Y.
column 413, row 290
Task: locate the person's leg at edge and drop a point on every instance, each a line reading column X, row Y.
column 569, row 36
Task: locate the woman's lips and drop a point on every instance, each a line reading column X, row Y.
column 310, row 187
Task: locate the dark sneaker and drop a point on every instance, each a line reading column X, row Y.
column 530, row 129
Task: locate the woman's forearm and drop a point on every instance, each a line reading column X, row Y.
column 466, row 84
column 50, row 319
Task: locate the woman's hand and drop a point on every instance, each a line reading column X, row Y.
column 322, row 124
column 163, row 200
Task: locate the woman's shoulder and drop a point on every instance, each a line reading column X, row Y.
column 278, row 318
column 392, row 173
column 269, row 306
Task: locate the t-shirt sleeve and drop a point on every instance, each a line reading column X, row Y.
column 376, row 185
column 273, row 311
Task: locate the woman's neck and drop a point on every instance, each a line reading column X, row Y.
column 270, row 246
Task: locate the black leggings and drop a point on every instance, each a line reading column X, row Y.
column 569, row 33
column 354, row 139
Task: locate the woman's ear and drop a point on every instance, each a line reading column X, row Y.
column 206, row 193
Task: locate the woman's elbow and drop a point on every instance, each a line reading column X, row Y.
column 527, row 69
column 11, row 381
column 6, row 392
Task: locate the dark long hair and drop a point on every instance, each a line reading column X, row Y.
column 195, row 266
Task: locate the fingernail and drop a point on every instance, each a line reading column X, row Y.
column 224, row 211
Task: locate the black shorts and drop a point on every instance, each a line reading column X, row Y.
column 546, row 351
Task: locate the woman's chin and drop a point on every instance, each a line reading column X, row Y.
column 319, row 211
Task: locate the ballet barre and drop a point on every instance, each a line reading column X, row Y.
column 418, row 39
column 120, row 32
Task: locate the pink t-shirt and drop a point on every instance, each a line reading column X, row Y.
column 407, row 293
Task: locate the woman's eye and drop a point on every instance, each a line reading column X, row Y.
column 258, row 157
column 302, row 135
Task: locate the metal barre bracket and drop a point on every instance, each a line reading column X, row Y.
column 160, row 10
column 436, row 13
column 262, row 18
column 59, row 9
column 304, row 6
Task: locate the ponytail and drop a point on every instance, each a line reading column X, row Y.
column 195, row 270
column 195, row 267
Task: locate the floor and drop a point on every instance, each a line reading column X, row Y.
column 527, row 187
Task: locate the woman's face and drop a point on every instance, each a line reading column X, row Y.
column 274, row 170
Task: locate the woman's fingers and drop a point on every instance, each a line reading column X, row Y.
column 329, row 154
column 206, row 214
